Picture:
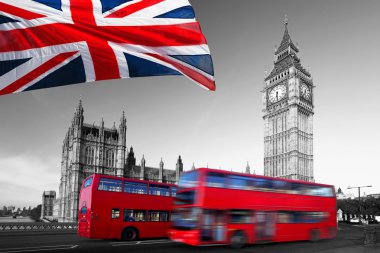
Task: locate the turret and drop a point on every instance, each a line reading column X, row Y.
column 77, row 121
column 130, row 163
column 78, row 114
column 101, row 132
column 178, row 169
column 247, row 169
column 142, row 170
column 122, row 149
column 161, row 171
column 122, row 130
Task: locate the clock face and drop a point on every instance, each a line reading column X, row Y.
column 305, row 92
column 277, row 93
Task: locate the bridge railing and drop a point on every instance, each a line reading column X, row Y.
column 37, row 226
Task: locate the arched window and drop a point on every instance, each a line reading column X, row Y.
column 89, row 158
column 110, row 158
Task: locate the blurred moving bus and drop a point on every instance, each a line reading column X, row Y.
column 127, row 209
column 220, row 207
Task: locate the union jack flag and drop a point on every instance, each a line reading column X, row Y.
column 48, row 43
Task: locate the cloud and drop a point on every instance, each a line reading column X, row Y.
column 23, row 178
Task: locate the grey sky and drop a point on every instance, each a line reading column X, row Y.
column 168, row 116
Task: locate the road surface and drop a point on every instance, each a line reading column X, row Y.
column 349, row 240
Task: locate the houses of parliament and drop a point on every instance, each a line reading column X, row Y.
column 90, row 148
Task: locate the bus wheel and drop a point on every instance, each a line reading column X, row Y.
column 129, row 234
column 314, row 235
column 238, row 240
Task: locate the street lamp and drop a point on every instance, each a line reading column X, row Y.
column 360, row 209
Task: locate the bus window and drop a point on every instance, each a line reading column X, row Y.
column 158, row 216
column 135, row 187
column 329, row 192
column 261, row 183
column 173, row 191
column 281, row 186
column 216, row 180
column 115, row 213
column 314, row 217
column 300, row 217
column 297, row 188
column 186, row 218
column 134, row 215
column 88, row 182
column 238, row 182
column 107, row 184
column 185, row 198
column 240, row 216
column 325, row 192
column 284, row 217
column 189, row 179
column 159, row 190
column 320, row 191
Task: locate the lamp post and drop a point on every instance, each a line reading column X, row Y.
column 360, row 209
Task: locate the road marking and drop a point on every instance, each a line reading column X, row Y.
column 116, row 244
column 134, row 242
column 40, row 248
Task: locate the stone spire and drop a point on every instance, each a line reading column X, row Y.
column 286, row 41
column 123, row 120
column 130, row 163
column 79, row 108
column 178, row 169
column 142, row 168
column 247, row 169
column 78, row 114
column 143, row 161
column 123, row 130
column 286, row 57
column 161, row 171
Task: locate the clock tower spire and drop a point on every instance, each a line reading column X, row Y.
column 288, row 110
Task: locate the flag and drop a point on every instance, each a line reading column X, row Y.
column 49, row 43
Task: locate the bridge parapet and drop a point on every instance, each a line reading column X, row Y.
column 37, row 226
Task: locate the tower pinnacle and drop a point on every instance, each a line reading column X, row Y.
column 286, row 20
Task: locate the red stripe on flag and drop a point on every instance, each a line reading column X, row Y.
column 104, row 60
column 82, row 12
column 192, row 74
column 6, row 8
column 128, row 10
column 36, row 73
column 155, row 35
column 56, row 34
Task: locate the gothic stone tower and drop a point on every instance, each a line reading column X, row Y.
column 288, row 109
column 88, row 149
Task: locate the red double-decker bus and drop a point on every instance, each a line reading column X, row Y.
column 220, row 207
column 127, row 209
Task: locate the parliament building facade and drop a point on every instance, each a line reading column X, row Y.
column 90, row 148
column 288, row 107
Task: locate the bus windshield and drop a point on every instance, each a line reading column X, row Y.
column 189, row 179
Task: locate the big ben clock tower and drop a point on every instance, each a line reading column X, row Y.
column 288, row 115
